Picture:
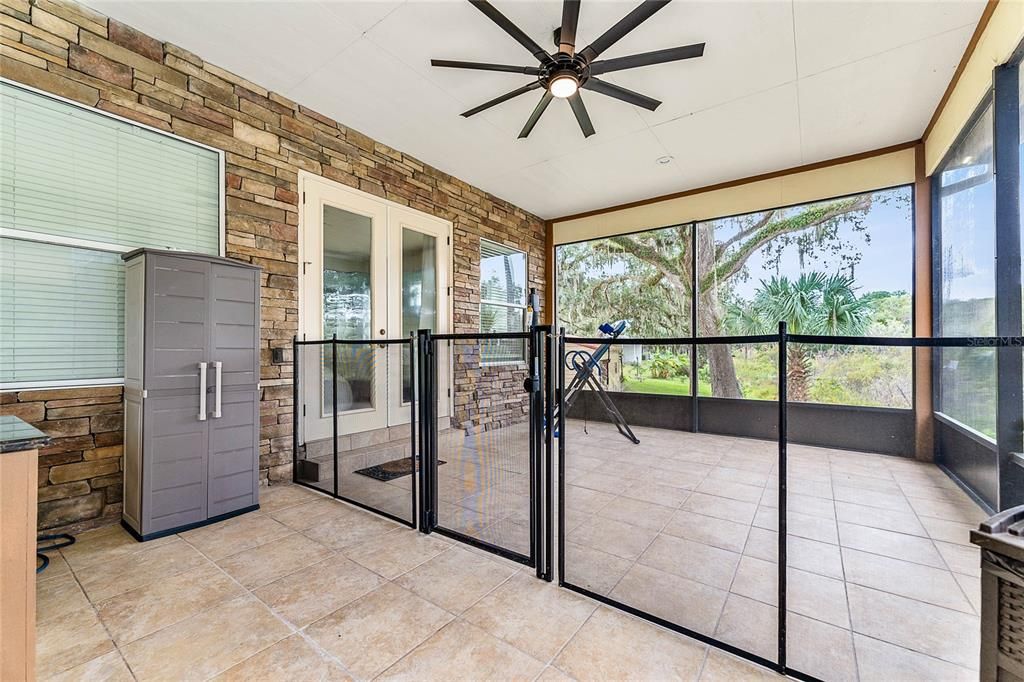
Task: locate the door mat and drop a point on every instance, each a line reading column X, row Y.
column 389, row 471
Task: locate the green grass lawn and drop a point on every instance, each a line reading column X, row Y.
column 663, row 387
column 656, row 386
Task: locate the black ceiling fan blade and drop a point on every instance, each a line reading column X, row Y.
column 618, row 92
column 482, row 66
column 672, row 54
column 582, row 117
column 538, row 110
column 570, row 18
column 504, row 98
column 639, row 15
column 508, row 27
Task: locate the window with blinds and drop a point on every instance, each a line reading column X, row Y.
column 502, row 300
column 79, row 187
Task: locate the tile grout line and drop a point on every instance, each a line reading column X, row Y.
column 561, row 649
column 846, row 583
column 246, row 592
column 635, row 561
column 95, row 605
column 839, row 545
column 945, row 563
column 291, row 628
column 704, row 662
column 455, row 617
column 550, row 662
column 691, row 491
column 942, row 557
column 916, row 652
column 96, row 612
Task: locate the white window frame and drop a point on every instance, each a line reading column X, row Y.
column 90, row 245
column 505, row 304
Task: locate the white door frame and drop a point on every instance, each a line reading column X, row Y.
column 316, row 196
column 385, row 315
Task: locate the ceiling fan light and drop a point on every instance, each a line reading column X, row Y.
column 563, row 86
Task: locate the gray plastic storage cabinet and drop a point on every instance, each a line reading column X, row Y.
column 191, row 427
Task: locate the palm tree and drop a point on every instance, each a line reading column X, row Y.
column 815, row 303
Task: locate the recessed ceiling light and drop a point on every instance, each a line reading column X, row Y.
column 662, row 160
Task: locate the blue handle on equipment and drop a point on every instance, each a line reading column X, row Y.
column 613, row 329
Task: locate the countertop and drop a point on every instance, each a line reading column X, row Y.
column 17, row 435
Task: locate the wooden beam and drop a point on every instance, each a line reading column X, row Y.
column 549, row 274
column 924, row 436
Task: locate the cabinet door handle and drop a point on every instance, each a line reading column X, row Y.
column 202, row 391
column 216, row 389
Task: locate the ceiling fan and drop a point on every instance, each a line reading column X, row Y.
column 563, row 73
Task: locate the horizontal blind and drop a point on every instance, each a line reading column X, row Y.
column 502, row 274
column 61, row 313
column 489, row 249
column 71, row 172
column 68, row 173
column 499, row 319
column 502, row 301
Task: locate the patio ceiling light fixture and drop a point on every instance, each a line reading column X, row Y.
column 564, row 85
column 564, row 73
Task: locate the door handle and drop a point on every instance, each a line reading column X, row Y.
column 202, row 391
column 216, row 389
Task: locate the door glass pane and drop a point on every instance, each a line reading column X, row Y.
column 347, row 245
column 966, row 188
column 419, row 292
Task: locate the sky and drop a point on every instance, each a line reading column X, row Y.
column 887, row 260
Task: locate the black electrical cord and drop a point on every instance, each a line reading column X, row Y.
column 62, row 540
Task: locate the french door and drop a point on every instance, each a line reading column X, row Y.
column 370, row 270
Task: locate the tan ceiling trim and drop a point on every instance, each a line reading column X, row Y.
column 986, row 16
column 867, row 173
column 1002, row 36
column 742, row 181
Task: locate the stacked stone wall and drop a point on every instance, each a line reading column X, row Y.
column 72, row 51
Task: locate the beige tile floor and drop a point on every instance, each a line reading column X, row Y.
column 392, row 497
column 309, row 588
column 882, row 581
column 483, row 485
column 483, row 488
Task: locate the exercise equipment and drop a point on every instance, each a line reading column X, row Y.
column 587, row 366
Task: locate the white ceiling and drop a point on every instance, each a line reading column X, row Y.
column 781, row 83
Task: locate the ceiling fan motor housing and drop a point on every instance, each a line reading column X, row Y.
column 563, row 73
column 565, row 65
